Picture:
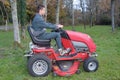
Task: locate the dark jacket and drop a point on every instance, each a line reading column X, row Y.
column 39, row 25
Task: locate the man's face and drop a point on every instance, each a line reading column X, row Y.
column 42, row 11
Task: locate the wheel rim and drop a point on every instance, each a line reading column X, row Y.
column 92, row 66
column 40, row 67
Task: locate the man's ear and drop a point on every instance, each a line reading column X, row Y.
column 39, row 11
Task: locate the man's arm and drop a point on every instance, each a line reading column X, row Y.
column 42, row 23
column 49, row 25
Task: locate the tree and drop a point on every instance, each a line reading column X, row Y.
column 22, row 16
column 51, row 15
column 103, row 12
column 2, row 13
column 70, row 11
column 69, row 5
column 6, row 17
column 92, row 7
column 117, row 13
column 45, row 4
column 82, row 5
column 89, row 8
column 73, row 15
column 57, row 11
column 15, row 22
column 112, row 14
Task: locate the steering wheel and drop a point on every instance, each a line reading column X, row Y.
column 57, row 30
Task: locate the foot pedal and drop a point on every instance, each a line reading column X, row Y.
column 68, row 50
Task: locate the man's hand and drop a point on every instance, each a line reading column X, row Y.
column 60, row 26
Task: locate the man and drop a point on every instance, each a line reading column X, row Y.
column 38, row 24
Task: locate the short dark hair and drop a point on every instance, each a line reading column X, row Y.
column 39, row 7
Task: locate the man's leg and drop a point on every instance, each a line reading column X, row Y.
column 57, row 37
column 54, row 35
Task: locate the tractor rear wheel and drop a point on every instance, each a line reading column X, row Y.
column 39, row 65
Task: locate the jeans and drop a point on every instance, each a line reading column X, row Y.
column 52, row 35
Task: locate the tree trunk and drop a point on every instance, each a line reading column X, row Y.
column 5, row 12
column 96, row 13
column 91, row 18
column 57, row 11
column 73, row 17
column 113, row 14
column 84, row 15
column 2, row 13
column 22, row 13
column 82, row 5
column 45, row 4
column 36, row 2
column 15, row 22
column 6, row 25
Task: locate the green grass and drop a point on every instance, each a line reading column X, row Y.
column 13, row 63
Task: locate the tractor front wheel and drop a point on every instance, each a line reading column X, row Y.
column 90, row 64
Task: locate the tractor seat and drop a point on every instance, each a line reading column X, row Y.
column 35, row 40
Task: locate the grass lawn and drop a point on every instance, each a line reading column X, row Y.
column 13, row 63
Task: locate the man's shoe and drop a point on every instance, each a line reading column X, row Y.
column 63, row 52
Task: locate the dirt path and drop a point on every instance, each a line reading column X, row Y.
column 6, row 28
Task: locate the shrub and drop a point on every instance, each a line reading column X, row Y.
column 105, row 20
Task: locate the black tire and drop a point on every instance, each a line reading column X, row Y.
column 90, row 64
column 39, row 65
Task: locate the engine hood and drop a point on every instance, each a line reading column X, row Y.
column 81, row 37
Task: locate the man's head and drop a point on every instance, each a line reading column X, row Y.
column 41, row 9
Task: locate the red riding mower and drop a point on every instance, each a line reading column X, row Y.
column 43, row 58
